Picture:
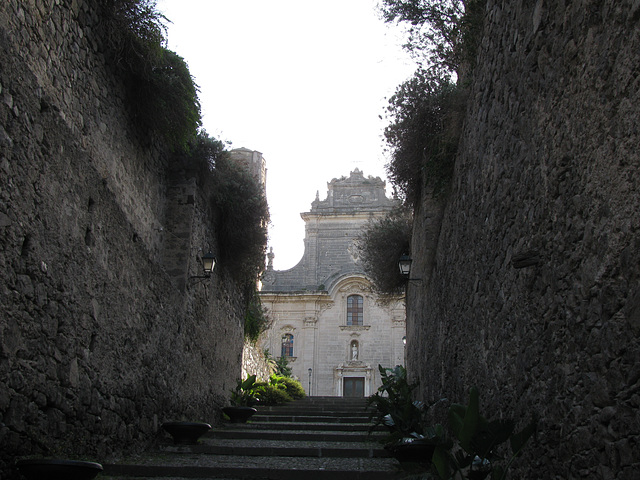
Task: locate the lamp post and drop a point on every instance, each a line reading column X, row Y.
column 404, row 350
column 310, row 370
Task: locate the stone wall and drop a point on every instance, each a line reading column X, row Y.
column 103, row 335
column 534, row 295
column 254, row 362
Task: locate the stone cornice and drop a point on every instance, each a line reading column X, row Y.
column 354, row 328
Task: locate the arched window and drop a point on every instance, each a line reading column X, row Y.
column 287, row 345
column 354, row 310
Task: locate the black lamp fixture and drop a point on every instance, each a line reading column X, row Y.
column 404, row 264
column 208, row 263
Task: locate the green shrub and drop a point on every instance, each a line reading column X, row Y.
column 280, row 390
column 395, row 407
column 380, row 244
column 133, row 34
column 272, row 394
column 480, row 449
column 199, row 158
column 256, row 320
column 241, row 216
column 282, row 366
column 244, row 395
column 293, row 387
column 165, row 101
column 426, row 116
column 161, row 94
column 442, row 34
column 426, row 111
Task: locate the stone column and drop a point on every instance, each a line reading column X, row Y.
column 310, row 353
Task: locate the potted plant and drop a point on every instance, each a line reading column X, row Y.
column 242, row 400
column 408, row 440
column 186, row 433
column 57, row 469
column 477, row 454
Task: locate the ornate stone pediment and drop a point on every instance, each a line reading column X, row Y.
column 355, row 286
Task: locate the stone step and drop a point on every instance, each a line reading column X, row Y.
column 338, row 400
column 314, row 409
column 280, row 448
column 273, row 417
column 335, row 427
column 257, row 467
column 284, row 435
column 311, row 439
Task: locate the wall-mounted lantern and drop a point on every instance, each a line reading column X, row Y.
column 208, row 263
column 404, row 264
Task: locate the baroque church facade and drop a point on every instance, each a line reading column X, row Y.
column 327, row 318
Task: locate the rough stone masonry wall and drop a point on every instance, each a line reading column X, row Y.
column 549, row 165
column 99, row 343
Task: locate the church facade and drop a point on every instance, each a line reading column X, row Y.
column 327, row 319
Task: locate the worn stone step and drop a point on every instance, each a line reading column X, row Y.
column 302, row 435
column 258, row 467
column 308, row 418
column 315, row 410
column 334, row 427
column 331, row 399
column 291, row 448
column 313, row 439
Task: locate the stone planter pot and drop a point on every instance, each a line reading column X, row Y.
column 57, row 469
column 418, row 451
column 186, row 433
column 239, row 414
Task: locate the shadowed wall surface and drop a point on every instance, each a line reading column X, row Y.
column 534, row 289
column 102, row 334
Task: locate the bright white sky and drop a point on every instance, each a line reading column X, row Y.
column 302, row 82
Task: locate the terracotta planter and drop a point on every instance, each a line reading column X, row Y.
column 56, row 469
column 186, row 433
column 239, row 414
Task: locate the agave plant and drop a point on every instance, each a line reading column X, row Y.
column 244, row 394
column 394, row 406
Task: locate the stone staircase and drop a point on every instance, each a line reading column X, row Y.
column 315, row 438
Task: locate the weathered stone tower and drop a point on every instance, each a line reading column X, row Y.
column 253, row 162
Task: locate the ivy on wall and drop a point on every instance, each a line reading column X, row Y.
column 381, row 244
column 163, row 102
column 161, row 93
